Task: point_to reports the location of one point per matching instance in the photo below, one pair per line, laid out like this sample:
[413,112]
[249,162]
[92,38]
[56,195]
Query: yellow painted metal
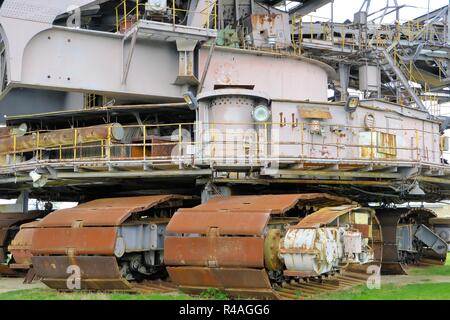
[75,138]
[173,12]
[180,144]
[144,140]
[15,148]
[137,10]
[417,145]
[382,145]
[109,143]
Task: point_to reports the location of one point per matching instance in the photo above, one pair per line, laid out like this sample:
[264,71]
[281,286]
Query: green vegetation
[433,270]
[48,294]
[422,291]
[214,294]
[426,290]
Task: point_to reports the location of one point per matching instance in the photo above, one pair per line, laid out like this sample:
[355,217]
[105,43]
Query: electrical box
[369,78]
[360,18]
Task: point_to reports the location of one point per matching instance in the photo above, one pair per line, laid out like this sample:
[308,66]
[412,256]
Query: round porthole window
[261,113]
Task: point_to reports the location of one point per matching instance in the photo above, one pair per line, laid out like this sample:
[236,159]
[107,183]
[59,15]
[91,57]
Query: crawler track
[308,288]
[389,220]
[236,252]
[106,239]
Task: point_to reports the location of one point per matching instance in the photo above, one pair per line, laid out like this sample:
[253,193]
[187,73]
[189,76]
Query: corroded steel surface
[203,251]
[324,216]
[389,220]
[199,220]
[236,262]
[61,137]
[10,219]
[97,273]
[391,261]
[104,212]
[92,240]
[20,246]
[86,236]
[275,204]
[247,282]
[9,229]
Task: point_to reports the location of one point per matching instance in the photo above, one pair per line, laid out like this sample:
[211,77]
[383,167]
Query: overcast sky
[344,9]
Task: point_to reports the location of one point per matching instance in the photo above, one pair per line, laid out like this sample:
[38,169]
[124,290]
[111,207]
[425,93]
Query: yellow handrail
[123,13]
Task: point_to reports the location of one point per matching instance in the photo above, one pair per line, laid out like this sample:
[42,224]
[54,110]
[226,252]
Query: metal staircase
[399,81]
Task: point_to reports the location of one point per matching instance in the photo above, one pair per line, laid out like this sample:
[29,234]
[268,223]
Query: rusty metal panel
[20,247]
[323,216]
[93,267]
[3,237]
[161,147]
[275,204]
[104,212]
[227,223]
[229,278]
[62,137]
[5,270]
[10,219]
[84,217]
[97,273]
[365,230]
[74,241]
[215,251]
[91,285]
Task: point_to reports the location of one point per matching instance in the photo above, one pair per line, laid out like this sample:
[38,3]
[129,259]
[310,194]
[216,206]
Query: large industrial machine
[202,145]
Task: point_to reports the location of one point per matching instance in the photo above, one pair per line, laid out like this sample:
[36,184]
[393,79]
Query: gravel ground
[13,284]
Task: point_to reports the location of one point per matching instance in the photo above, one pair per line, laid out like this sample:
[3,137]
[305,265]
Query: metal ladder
[398,79]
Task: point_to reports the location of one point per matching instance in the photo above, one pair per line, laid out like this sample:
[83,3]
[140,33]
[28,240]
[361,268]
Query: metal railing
[126,17]
[254,144]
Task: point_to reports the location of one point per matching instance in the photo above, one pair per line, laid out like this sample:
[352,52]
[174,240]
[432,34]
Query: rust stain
[80,240]
[323,216]
[198,220]
[20,246]
[104,212]
[275,204]
[215,252]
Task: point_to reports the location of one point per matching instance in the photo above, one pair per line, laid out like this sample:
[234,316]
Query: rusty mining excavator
[264,246]
[193,168]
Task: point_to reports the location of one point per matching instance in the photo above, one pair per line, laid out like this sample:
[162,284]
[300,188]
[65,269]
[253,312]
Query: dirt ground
[13,284]
[413,279]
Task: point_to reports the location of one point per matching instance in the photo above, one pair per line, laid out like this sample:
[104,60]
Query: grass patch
[214,294]
[48,294]
[426,291]
[433,270]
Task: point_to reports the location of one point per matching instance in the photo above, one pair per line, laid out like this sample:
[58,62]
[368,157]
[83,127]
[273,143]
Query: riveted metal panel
[215,251]
[74,241]
[275,204]
[227,223]
[104,212]
[55,267]
[237,278]
[324,216]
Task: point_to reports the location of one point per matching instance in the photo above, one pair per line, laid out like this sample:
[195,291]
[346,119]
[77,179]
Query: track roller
[249,246]
[408,239]
[104,244]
